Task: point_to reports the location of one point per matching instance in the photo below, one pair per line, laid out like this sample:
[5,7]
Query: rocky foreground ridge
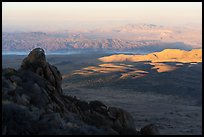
[33,103]
[167,55]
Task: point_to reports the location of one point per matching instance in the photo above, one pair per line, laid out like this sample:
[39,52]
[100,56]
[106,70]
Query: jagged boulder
[36,62]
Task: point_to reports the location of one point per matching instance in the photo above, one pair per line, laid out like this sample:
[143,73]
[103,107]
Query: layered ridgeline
[167,55]
[145,37]
[33,103]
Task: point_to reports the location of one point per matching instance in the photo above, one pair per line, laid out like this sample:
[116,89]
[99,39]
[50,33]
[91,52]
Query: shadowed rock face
[36,62]
[33,103]
[150,129]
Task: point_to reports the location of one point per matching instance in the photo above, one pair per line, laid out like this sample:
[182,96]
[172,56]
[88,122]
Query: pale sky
[17,16]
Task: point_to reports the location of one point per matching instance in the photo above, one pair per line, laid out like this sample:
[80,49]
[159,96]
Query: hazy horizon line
[69,27]
[63,15]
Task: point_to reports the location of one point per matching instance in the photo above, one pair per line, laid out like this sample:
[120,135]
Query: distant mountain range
[147,37]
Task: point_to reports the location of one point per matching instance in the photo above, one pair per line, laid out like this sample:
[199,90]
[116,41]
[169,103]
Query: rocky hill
[167,55]
[33,103]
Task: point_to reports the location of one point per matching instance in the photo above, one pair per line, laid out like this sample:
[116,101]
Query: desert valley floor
[167,94]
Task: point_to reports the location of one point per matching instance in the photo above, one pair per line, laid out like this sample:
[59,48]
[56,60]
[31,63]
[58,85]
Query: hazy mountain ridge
[164,33]
[127,37]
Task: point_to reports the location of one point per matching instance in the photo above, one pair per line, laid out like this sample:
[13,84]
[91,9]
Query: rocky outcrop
[36,62]
[33,103]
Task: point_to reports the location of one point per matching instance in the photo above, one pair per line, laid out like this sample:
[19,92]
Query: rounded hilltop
[166,55]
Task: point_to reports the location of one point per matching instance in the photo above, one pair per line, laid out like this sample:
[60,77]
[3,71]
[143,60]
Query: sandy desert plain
[166,94]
